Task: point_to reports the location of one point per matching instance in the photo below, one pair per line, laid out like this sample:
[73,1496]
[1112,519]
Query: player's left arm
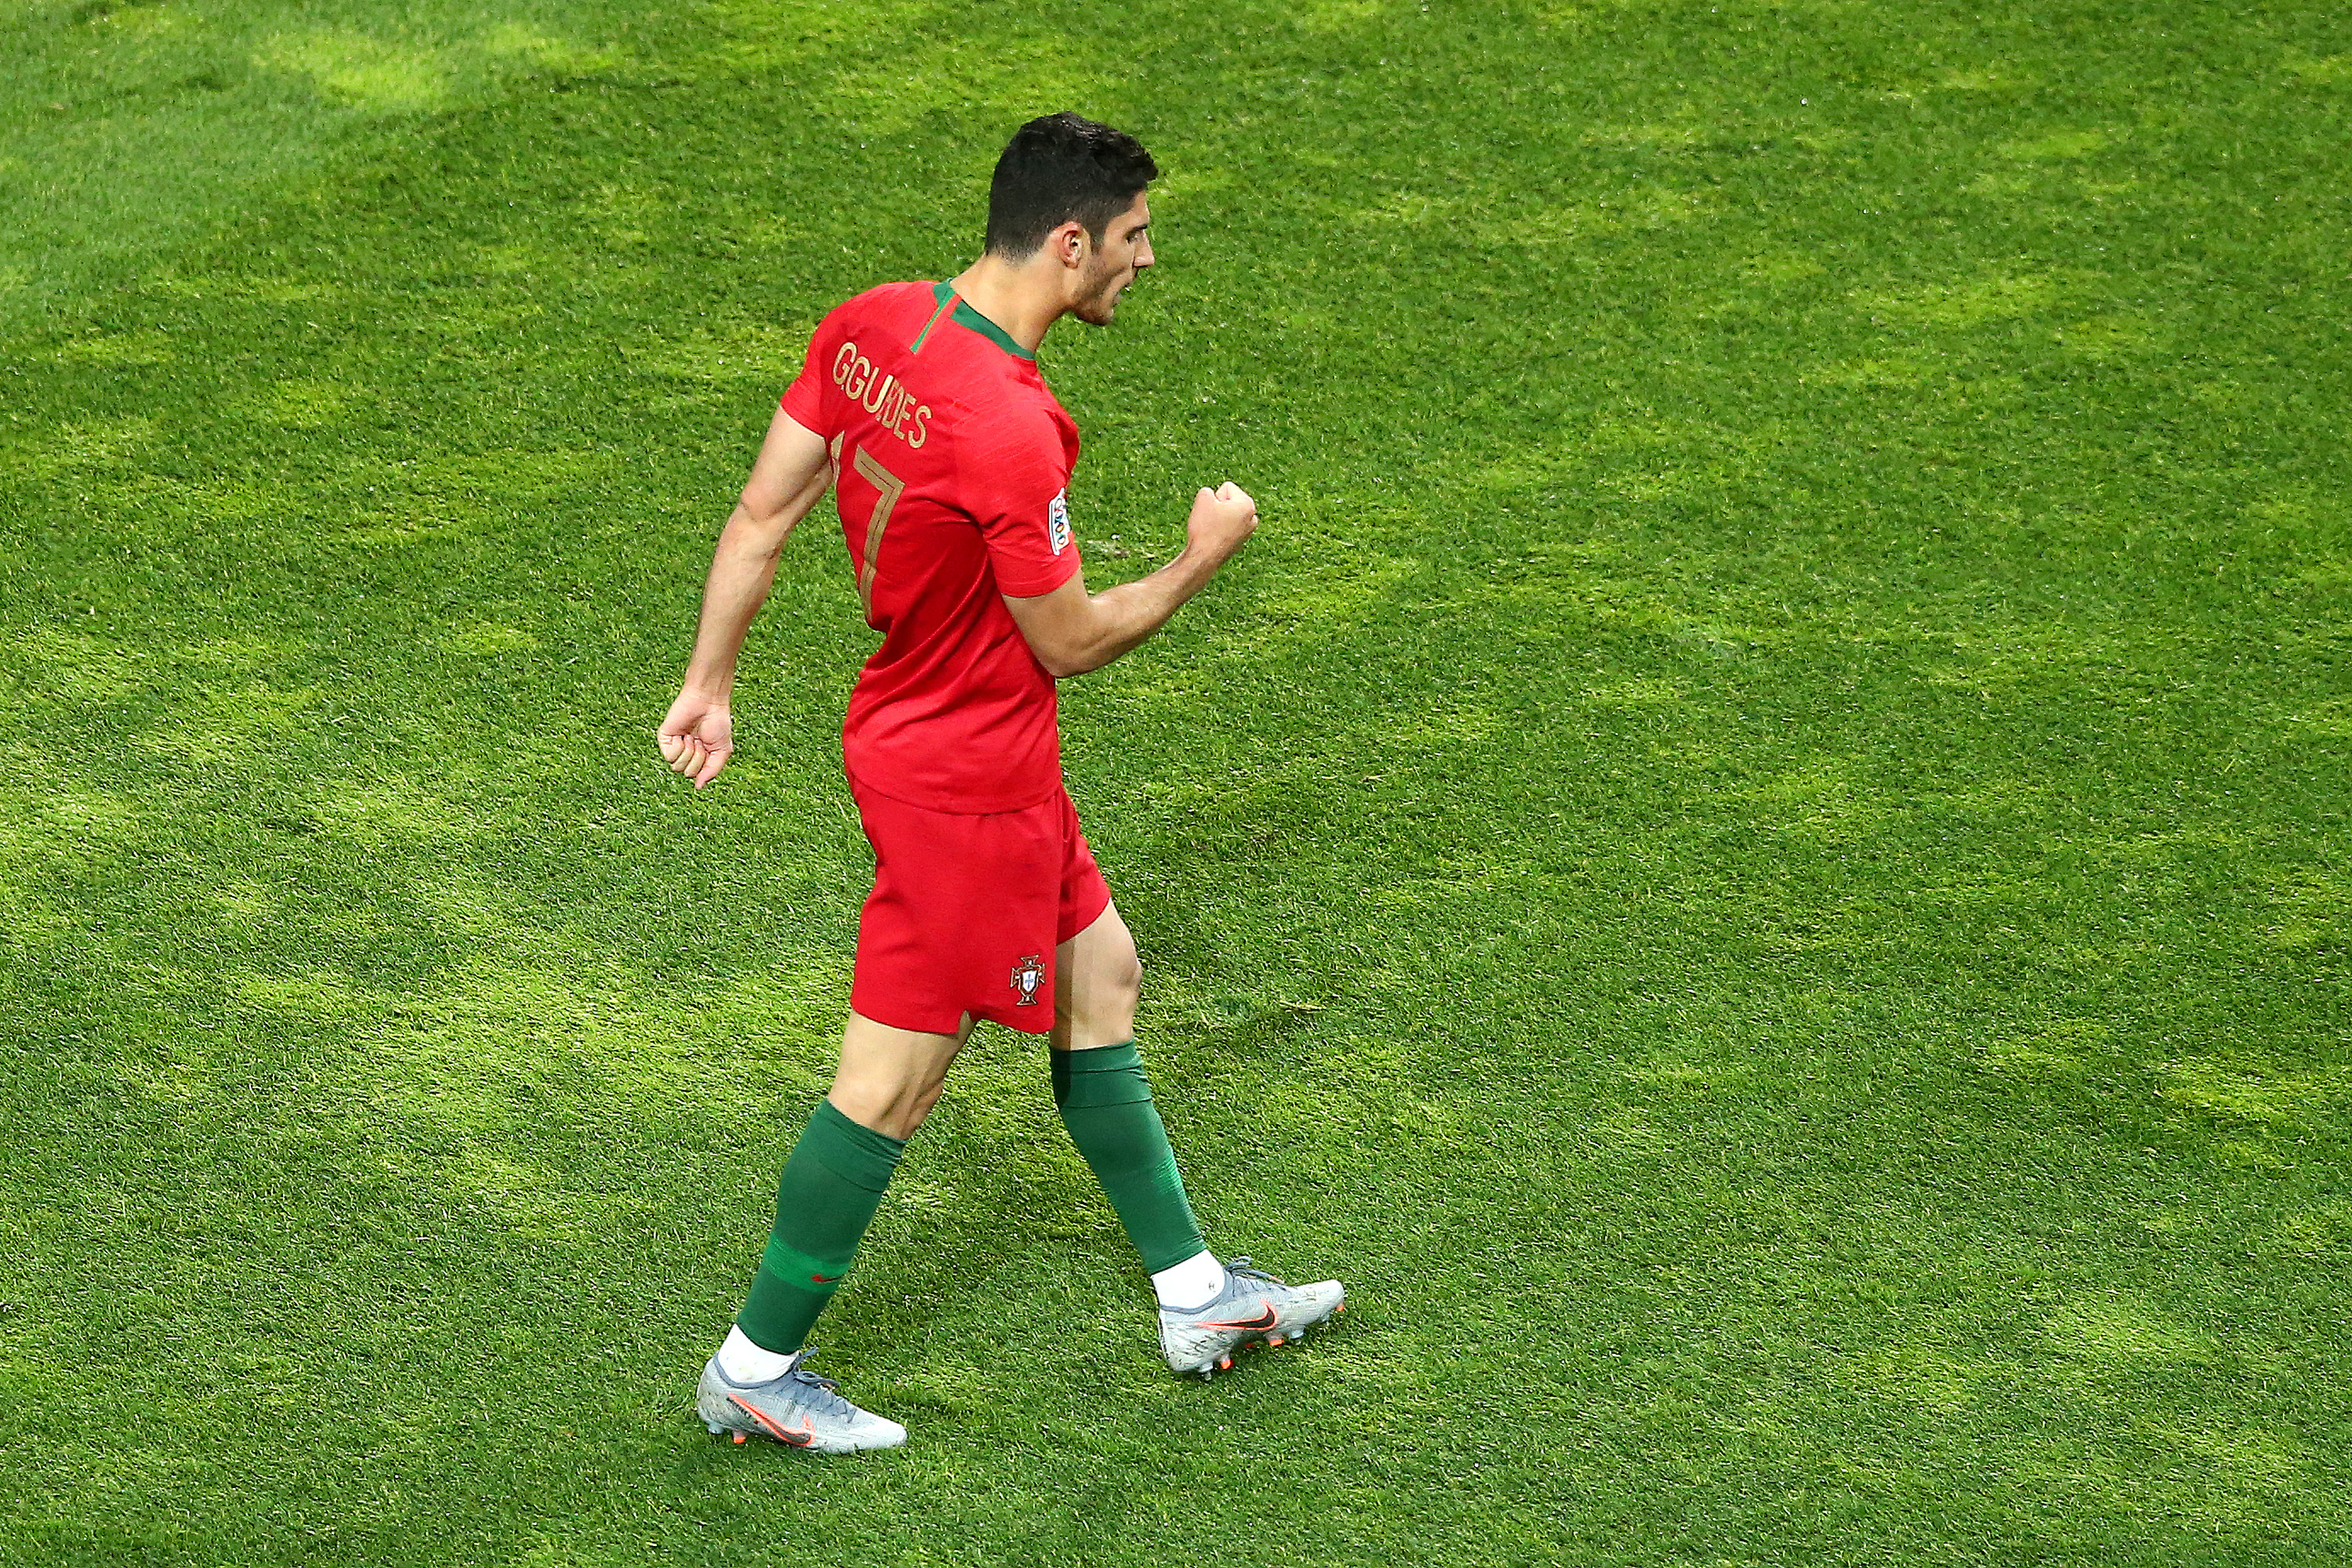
[697,734]
[1072,631]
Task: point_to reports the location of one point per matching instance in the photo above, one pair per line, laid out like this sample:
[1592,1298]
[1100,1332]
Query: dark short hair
[1057,168]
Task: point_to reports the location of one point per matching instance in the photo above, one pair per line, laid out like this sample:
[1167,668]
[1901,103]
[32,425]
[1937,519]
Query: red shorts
[966,912]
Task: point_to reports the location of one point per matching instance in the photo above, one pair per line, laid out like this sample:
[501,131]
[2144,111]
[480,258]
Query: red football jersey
[951,463]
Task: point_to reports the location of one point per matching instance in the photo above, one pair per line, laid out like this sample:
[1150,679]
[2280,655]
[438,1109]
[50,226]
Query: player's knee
[1123,974]
[892,1100]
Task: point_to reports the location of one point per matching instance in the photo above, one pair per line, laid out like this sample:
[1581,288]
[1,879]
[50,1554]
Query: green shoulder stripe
[946,298]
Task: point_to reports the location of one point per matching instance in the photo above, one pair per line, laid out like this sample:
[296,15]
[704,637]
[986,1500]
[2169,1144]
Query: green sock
[1106,1106]
[831,1183]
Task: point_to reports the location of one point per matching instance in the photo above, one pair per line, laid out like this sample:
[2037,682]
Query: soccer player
[922,405]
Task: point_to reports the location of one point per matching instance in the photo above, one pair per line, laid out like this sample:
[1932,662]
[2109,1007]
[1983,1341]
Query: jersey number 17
[889,486]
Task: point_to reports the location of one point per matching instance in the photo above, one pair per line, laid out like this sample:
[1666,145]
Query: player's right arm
[1072,631]
[697,735]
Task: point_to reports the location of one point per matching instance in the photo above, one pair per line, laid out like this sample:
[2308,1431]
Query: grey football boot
[797,1408]
[1254,1307]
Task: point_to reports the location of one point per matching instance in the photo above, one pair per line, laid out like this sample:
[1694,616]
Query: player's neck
[1025,298]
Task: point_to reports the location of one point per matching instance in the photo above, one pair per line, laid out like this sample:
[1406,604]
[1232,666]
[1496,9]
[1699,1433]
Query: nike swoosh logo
[827,1279]
[1265,1319]
[800,1439]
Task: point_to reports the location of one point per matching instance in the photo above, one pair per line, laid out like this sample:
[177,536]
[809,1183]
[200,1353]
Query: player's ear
[1069,243]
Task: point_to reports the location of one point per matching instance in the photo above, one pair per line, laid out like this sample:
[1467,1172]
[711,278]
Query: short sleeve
[813,399]
[1019,488]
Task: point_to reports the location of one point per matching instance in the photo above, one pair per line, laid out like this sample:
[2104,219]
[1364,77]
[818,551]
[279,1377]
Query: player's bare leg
[889,1079]
[1097,980]
[1208,1309]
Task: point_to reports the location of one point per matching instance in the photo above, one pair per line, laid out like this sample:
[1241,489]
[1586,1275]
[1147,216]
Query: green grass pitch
[1756,853]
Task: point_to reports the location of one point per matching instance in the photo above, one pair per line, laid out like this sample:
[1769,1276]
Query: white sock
[743,1361]
[1192,1284]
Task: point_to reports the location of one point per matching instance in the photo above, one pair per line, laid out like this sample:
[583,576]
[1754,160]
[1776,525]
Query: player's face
[1125,251]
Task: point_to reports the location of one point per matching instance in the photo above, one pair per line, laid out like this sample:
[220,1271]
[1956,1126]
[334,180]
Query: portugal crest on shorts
[1027,975]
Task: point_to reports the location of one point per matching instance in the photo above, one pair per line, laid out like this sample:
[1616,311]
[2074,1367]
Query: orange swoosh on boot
[1267,1318]
[800,1439]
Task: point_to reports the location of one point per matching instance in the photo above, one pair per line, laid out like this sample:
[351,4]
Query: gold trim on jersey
[892,487]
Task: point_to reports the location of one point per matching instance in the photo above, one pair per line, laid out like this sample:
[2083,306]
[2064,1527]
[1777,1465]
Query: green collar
[965,316]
